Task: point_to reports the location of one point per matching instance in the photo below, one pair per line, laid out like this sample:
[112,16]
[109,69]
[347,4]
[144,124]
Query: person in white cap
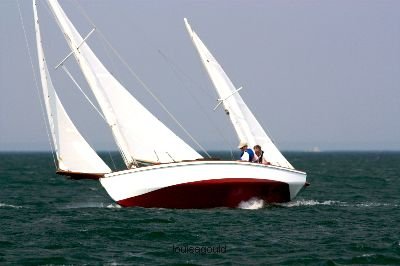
[247,154]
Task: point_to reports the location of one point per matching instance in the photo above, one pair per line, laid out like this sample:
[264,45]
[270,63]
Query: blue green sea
[350,215]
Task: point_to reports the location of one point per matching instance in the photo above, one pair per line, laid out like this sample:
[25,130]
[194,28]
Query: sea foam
[81,205]
[251,204]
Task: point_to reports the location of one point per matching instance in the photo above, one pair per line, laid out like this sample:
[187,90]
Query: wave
[4,205]
[251,204]
[375,204]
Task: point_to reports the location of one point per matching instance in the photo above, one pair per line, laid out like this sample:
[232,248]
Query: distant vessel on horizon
[162,170]
[315,149]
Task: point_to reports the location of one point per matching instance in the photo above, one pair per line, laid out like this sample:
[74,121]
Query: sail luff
[241,129]
[138,133]
[244,122]
[43,78]
[73,153]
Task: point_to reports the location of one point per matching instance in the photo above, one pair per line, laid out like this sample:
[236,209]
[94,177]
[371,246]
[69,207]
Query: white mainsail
[73,153]
[138,134]
[243,120]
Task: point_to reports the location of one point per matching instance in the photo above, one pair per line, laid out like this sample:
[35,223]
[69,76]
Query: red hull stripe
[228,192]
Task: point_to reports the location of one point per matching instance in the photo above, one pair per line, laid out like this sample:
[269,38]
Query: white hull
[202,184]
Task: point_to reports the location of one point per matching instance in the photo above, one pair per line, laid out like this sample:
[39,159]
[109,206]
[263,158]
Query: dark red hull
[211,193]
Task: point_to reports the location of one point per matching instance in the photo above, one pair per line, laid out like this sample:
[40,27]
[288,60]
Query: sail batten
[136,131]
[244,122]
[73,153]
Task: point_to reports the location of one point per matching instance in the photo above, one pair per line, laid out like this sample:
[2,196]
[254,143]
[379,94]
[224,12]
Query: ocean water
[349,215]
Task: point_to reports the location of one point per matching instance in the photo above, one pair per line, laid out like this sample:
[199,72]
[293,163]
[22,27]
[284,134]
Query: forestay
[73,153]
[138,134]
[243,120]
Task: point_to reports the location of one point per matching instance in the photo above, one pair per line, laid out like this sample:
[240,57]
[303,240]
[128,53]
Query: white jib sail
[73,153]
[138,134]
[243,120]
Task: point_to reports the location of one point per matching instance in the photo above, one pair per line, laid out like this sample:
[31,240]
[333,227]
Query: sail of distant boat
[139,135]
[244,122]
[74,155]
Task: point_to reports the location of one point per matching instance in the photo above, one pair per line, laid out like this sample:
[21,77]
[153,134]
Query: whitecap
[4,205]
[367,255]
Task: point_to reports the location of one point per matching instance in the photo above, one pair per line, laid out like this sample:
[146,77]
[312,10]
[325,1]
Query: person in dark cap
[260,154]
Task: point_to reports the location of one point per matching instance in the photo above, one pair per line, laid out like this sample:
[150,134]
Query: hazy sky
[315,73]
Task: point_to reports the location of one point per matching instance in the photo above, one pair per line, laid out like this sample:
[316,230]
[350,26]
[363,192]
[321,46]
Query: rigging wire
[112,160]
[84,94]
[111,59]
[144,85]
[37,86]
[175,68]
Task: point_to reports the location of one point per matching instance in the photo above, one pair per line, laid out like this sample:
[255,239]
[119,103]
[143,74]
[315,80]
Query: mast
[139,135]
[74,155]
[244,122]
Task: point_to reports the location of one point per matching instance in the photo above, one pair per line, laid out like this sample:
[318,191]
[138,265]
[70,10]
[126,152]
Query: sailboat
[162,171]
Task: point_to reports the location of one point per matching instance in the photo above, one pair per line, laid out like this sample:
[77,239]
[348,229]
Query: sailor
[247,154]
[260,153]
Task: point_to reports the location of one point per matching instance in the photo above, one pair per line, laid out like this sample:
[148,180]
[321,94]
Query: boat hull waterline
[199,184]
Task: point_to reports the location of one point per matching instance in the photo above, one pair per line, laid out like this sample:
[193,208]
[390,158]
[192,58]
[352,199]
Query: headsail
[138,134]
[243,120]
[73,153]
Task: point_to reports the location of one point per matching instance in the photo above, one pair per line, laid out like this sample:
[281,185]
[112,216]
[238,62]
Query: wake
[306,203]
[84,205]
